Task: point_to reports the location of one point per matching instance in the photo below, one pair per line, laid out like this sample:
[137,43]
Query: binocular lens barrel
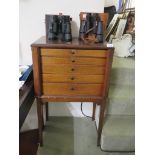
[52,36]
[93,26]
[59,27]
[67,37]
[99,28]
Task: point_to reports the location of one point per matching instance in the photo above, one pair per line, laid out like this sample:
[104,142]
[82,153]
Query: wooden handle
[72,69]
[72,88]
[73,51]
[72,78]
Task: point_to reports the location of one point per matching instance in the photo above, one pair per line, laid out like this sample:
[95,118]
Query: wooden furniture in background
[26,98]
[28,140]
[71,72]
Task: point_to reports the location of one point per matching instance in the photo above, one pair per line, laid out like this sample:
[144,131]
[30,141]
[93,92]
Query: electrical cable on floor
[83,112]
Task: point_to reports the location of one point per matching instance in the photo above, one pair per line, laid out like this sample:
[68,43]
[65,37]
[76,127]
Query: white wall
[32,15]
[111,2]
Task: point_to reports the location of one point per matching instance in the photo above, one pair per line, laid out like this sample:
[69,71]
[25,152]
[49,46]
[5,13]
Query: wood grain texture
[76,69]
[65,98]
[72,89]
[72,60]
[72,78]
[73,52]
[36,69]
[107,73]
[26,98]
[42,42]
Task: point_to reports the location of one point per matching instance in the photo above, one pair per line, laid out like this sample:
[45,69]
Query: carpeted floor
[71,136]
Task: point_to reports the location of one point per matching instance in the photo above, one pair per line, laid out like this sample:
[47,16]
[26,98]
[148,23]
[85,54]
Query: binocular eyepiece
[93,24]
[58,27]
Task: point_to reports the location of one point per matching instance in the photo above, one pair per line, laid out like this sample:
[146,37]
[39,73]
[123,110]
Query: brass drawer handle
[72,69]
[72,78]
[72,88]
[73,51]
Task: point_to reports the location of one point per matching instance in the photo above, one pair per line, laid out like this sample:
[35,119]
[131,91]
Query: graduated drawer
[74,69]
[71,78]
[72,89]
[72,52]
[73,60]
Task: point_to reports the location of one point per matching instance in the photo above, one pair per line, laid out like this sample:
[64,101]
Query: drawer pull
[72,89]
[72,69]
[72,78]
[73,51]
[73,60]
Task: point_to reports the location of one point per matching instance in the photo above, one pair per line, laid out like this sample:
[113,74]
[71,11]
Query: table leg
[101,119]
[94,109]
[40,120]
[46,106]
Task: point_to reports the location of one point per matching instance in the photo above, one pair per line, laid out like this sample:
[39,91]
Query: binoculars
[58,27]
[91,25]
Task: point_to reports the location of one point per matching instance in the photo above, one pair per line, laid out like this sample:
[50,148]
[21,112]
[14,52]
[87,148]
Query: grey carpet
[118,133]
[71,136]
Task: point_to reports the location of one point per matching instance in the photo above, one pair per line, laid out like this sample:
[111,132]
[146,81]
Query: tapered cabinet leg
[46,107]
[94,109]
[101,119]
[42,116]
[40,121]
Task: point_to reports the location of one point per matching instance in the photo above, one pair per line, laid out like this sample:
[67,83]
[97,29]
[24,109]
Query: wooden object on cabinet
[57,78]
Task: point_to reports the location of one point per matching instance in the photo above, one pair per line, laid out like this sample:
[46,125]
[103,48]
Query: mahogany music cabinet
[71,72]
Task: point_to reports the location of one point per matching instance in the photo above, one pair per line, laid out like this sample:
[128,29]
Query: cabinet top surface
[75,43]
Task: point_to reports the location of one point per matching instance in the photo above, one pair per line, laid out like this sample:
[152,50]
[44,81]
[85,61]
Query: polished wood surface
[69,69]
[71,72]
[73,60]
[73,52]
[72,89]
[36,69]
[26,98]
[74,44]
[64,98]
[72,78]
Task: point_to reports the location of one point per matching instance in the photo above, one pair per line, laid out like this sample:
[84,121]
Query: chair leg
[46,107]
[40,120]
[94,109]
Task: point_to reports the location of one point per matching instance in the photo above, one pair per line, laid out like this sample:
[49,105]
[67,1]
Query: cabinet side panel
[108,67]
[36,70]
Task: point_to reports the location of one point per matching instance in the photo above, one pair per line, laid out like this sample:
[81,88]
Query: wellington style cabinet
[71,72]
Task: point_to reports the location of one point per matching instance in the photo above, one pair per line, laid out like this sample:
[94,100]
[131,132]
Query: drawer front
[72,78]
[73,60]
[73,52]
[72,89]
[73,69]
